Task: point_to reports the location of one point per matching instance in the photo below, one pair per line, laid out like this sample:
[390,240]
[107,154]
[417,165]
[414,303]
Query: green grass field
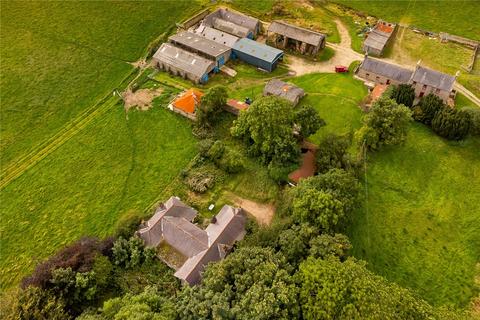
[60,58]
[422,227]
[455,17]
[112,166]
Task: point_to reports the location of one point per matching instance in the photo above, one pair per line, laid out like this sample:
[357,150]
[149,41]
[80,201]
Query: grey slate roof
[184,236]
[183,59]
[297,33]
[284,90]
[230,27]
[377,40]
[388,70]
[258,50]
[433,78]
[217,35]
[199,43]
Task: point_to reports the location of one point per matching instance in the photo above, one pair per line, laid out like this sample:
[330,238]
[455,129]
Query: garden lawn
[59,58]
[422,227]
[455,17]
[114,165]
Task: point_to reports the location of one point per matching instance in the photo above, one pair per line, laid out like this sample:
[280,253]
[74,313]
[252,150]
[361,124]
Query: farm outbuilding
[182,63]
[283,90]
[284,35]
[232,28]
[187,103]
[257,54]
[172,224]
[234,18]
[234,106]
[378,38]
[217,36]
[202,46]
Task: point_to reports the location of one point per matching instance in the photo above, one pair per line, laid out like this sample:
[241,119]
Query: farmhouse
[427,81]
[283,90]
[172,224]
[378,38]
[257,54]
[182,63]
[237,22]
[377,71]
[286,35]
[424,80]
[209,49]
[217,36]
[186,103]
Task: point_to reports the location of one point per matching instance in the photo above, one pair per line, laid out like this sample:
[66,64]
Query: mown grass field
[59,58]
[422,226]
[58,61]
[113,166]
[455,17]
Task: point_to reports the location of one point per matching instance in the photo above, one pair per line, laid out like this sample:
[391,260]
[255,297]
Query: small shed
[182,63]
[378,38]
[235,106]
[257,54]
[283,90]
[209,49]
[217,36]
[186,103]
[286,35]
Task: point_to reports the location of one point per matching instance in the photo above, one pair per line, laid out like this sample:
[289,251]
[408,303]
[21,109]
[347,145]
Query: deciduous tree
[211,105]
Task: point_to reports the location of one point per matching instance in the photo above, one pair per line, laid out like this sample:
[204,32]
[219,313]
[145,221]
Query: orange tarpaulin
[188,101]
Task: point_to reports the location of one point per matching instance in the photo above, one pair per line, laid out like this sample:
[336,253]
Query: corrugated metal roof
[218,36]
[258,50]
[199,43]
[284,90]
[385,69]
[377,40]
[298,33]
[183,60]
[230,27]
[433,78]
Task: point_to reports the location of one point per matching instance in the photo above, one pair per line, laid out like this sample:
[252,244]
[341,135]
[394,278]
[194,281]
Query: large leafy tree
[330,289]
[211,105]
[404,94]
[428,107]
[325,245]
[385,124]
[333,153]
[250,283]
[325,200]
[268,129]
[307,120]
[451,124]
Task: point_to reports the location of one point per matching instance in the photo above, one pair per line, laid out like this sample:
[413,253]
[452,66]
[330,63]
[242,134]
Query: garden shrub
[451,124]
[216,150]
[131,253]
[128,223]
[474,119]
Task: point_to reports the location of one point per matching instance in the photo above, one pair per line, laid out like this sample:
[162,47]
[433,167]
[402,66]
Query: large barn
[284,35]
[257,54]
[217,35]
[209,49]
[182,63]
[236,20]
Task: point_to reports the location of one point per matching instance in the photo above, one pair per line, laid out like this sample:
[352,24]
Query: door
[221,61]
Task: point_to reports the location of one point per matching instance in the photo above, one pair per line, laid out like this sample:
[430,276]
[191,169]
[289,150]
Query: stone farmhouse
[283,90]
[284,35]
[172,224]
[378,38]
[424,80]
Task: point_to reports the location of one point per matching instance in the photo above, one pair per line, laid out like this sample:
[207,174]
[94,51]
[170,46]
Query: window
[424,87]
[437,91]
[388,81]
[368,74]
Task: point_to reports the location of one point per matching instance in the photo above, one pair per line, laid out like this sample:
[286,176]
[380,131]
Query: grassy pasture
[114,165]
[455,17]
[59,58]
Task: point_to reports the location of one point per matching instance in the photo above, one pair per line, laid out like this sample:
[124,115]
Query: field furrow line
[71,130]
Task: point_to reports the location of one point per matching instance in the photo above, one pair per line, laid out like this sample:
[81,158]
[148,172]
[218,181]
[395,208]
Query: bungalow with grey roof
[172,224]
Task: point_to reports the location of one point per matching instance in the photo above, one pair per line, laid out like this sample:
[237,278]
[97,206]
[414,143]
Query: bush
[474,119]
[216,151]
[128,223]
[79,256]
[231,162]
[204,146]
[429,106]
[278,172]
[200,179]
[451,124]
[326,245]
[131,253]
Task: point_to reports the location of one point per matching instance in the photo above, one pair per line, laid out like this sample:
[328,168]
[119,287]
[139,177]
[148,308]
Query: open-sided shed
[287,35]
[283,90]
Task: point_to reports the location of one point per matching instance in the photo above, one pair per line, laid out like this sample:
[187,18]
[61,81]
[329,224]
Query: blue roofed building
[257,54]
